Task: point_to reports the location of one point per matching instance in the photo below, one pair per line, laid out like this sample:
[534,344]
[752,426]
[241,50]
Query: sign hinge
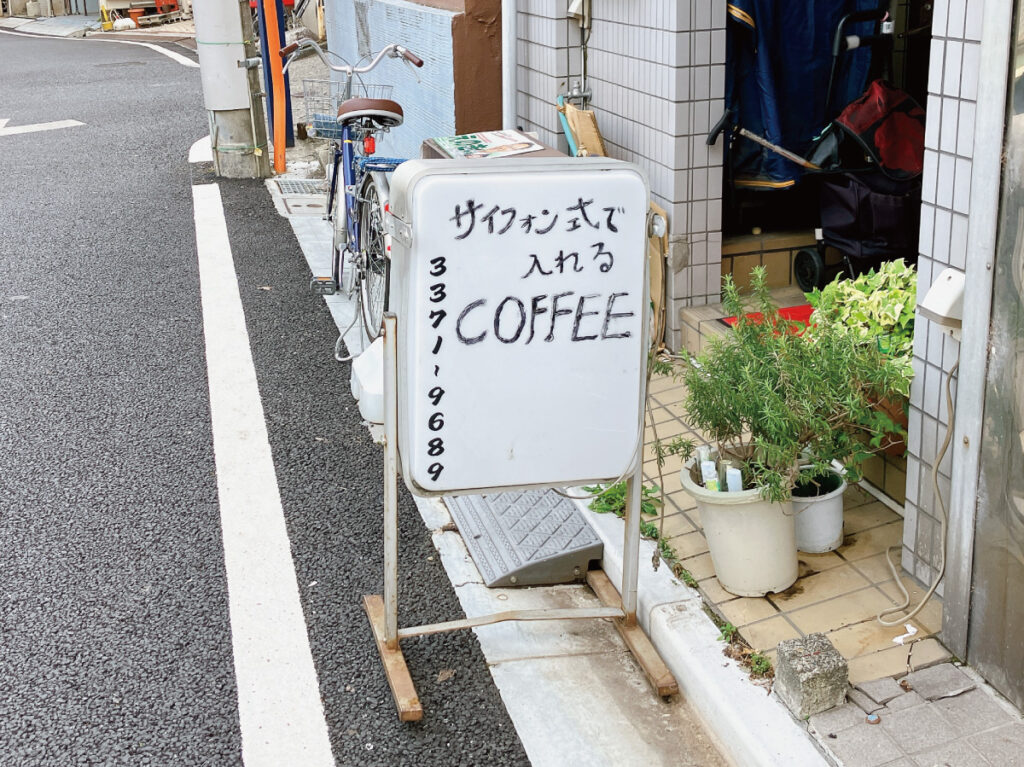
[399,230]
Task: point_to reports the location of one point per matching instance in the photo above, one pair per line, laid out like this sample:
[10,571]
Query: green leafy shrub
[877,307]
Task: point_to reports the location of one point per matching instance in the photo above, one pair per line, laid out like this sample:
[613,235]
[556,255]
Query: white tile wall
[949,146]
[657,72]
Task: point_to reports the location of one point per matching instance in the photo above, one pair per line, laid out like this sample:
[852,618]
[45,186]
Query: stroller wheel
[809,269]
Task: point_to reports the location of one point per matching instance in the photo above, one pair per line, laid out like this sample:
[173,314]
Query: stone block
[810,675]
[942,681]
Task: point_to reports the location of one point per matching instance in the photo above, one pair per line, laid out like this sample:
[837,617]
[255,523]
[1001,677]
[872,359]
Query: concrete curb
[750,728]
[52,26]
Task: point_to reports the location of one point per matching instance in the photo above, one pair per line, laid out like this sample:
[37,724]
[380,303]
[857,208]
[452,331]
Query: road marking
[35,127]
[201,151]
[280,709]
[183,60]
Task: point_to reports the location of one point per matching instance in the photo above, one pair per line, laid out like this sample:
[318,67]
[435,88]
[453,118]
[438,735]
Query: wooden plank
[657,673]
[402,688]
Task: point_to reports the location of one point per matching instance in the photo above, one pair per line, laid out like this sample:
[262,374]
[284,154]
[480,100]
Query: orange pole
[277,76]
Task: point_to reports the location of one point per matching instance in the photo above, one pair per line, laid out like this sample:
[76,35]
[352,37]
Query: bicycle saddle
[385,112]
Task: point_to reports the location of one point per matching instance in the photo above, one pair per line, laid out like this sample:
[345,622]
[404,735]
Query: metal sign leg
[631,545]
[383,612]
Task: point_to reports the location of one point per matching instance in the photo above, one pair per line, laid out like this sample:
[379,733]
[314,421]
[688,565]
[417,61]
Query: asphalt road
[115,640]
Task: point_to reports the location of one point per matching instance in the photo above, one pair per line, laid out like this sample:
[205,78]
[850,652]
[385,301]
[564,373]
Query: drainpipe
[509,40]
[237,138]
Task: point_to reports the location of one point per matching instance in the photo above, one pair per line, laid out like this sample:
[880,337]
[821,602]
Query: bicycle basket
[321,99]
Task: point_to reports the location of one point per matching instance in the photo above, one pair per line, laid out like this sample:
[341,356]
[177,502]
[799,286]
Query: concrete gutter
[751,727]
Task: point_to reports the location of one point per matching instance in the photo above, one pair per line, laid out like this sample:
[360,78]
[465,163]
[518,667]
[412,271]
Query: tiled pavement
[942,716]
[838,593]
[939,716]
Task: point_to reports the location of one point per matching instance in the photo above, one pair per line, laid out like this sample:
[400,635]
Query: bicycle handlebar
[409,56]
[393,50]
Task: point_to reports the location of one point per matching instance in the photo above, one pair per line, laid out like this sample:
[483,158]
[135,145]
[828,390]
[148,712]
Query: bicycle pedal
[323,286]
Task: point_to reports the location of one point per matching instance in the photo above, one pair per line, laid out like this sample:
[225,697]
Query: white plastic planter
[367,382]
[819,521]
[752,542]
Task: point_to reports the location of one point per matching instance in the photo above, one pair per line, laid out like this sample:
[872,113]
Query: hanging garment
[779,60]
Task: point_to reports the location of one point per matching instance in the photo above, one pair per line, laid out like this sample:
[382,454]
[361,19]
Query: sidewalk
[52,26]
[943,715]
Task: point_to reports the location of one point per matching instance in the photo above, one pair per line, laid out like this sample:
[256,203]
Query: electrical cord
[943,522]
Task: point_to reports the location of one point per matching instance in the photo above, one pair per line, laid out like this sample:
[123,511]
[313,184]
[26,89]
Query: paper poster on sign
[519,286]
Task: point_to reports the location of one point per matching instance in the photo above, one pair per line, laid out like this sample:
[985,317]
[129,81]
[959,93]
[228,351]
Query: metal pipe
[555,614]
[509,63]
[631,545]
[390,481]
[277,77]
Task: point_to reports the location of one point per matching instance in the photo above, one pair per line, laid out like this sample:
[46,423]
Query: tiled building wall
[949,147]
[657,72]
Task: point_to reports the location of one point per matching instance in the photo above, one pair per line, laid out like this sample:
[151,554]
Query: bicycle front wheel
[376,266]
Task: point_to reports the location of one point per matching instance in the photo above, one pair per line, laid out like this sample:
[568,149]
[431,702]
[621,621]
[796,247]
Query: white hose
[943,522]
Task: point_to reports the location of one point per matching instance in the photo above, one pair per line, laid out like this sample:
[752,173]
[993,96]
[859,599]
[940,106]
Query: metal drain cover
[305,204]
[300,185]
[526,538]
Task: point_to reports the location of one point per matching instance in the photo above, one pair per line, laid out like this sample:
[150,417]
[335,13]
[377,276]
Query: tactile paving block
[526,538]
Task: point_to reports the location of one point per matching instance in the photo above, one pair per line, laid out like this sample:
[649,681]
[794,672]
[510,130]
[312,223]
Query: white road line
[201,151]
[279,704]
[183,60]
[36,127]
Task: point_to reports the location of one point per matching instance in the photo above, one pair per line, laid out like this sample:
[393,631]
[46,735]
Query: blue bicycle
[356,211]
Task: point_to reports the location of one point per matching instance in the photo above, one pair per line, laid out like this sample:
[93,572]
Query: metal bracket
[398,229]
[578,95]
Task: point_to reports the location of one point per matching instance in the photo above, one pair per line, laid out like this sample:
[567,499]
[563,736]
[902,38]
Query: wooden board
[657,673]
[402,688]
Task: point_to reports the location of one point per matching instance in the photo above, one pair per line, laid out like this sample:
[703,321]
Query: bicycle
[359,232]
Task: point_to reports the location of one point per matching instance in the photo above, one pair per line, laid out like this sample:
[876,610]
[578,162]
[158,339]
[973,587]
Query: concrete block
[810,675]
[881,690]
[942,681]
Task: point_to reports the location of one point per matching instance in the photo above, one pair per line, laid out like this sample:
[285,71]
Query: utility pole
[231,88]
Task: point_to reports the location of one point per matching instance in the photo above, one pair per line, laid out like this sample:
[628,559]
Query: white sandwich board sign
[519,287]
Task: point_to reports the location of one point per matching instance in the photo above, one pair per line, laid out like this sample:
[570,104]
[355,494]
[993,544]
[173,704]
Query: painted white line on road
[183,60]
[36,127]
[201,151]
[280,710]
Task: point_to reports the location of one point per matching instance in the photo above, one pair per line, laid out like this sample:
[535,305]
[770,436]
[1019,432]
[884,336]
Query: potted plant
[780,404]
[878,308]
